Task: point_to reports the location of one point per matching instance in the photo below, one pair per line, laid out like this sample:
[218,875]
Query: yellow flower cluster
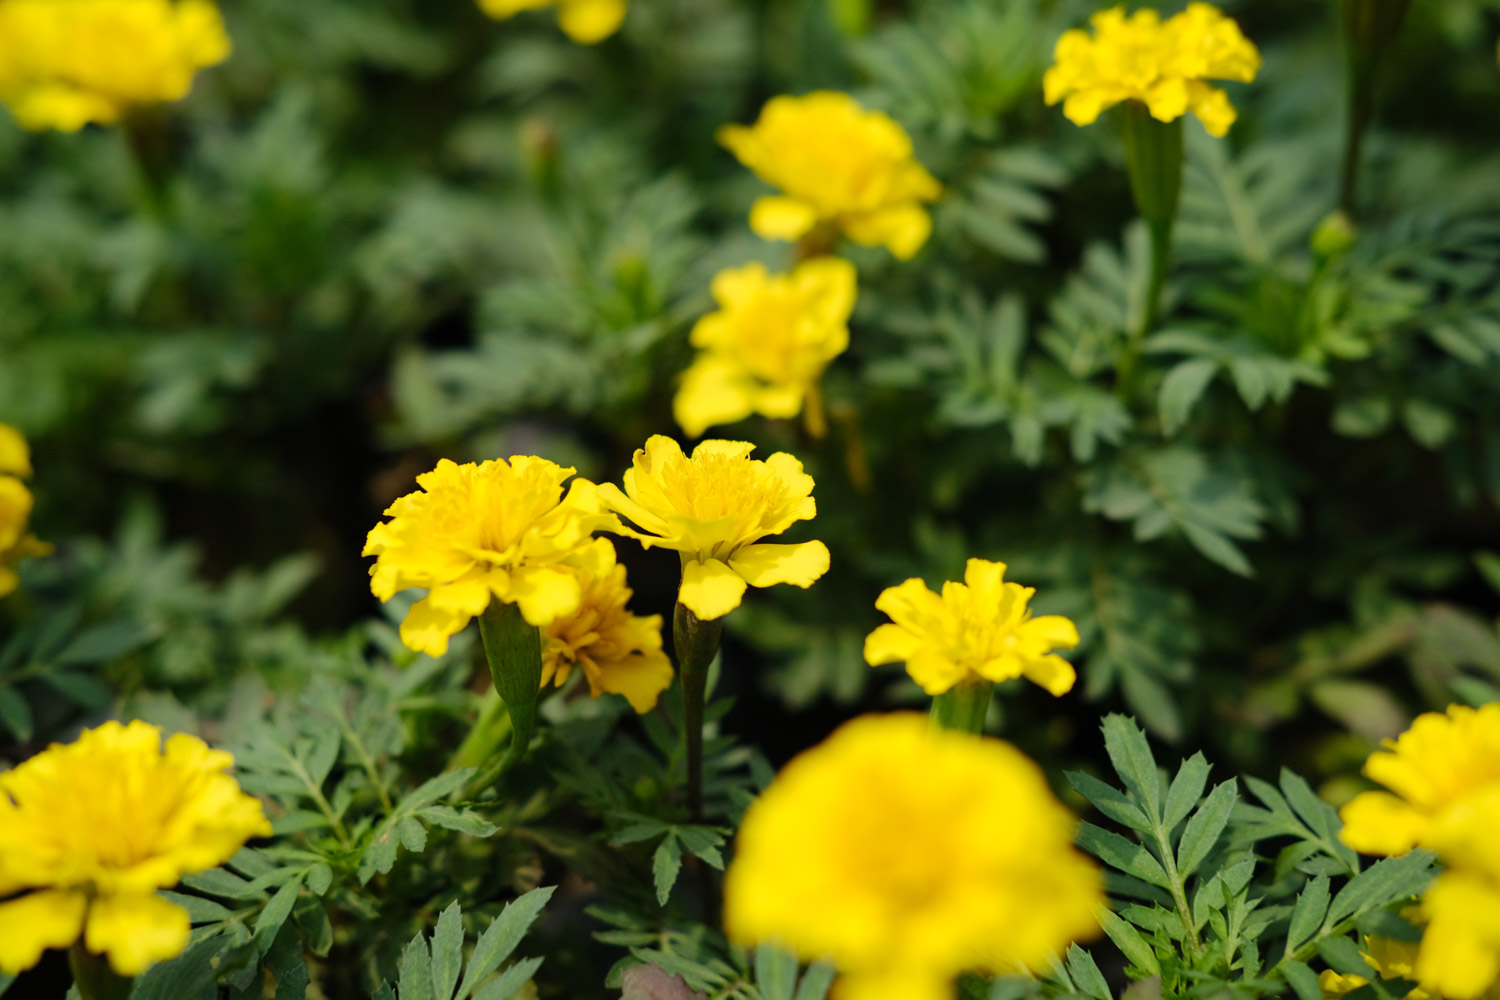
[617,651]
[1389,958]
[584,21]
[499,529]
[1162,64]
[89,831]
[765,349]
[839,166]
[713,509]
[1444,780]
[15,507]
[908,855]
[65,63]
[981,628]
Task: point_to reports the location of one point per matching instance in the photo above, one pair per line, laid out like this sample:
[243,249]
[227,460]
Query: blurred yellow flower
[584,21]
[89,831]
[497,529]
[65,63]
[15,508]
[617,651]
[1390,958]
[765,349]
[979,628]
[908,855]
[1162,64]
[838,165]
[1460,952]
[713,509]
[1434,769]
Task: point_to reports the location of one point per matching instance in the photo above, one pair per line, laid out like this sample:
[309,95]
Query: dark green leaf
[775,972]
[1307,915]
[1086,975]
[447,952]
[509,982]
[665,865]
[1186,789]
[501,937]
[1131,756]
[1204,827]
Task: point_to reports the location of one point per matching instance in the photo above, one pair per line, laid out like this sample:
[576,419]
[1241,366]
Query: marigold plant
[838,165]
[89,831]
[499,529]
[66,64]
[714,508]
[908,855]
[1162,64]
[766,347]
[617,651]
[979,628]
[584,21]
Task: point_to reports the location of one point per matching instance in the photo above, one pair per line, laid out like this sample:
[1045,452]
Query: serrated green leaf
[1118,852]
[1385,881]
[1181,388]
[275,912]
[1307,914]
[1130,942]
[15,714]
[1086,975]
[414,980]
[200,910]
[1342,955]
[665,865]
[703,842]
[1108,800]
[501,937]
[1131,756]
[218,882]
[1204,827]
[464,821]
[1186,789]
[816,981]
[509,982]
[775,972]
[447,952]
[1302,980]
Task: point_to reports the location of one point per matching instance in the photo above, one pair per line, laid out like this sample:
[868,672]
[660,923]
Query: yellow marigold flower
[617,651]
[713,509]
[839,165]
[979,628]
[15,454]
[909,855]
[1162,64]
[584,21]
[765,349]
[89,831]
[1434,768]
[1390,958]
[497,529]
[1460,952]
[65,63]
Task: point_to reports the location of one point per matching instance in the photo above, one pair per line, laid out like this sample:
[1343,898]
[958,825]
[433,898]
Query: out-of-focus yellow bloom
[500,529]
[15,508]
[1390,958]
[908,855]
[617,651]
[713,509]
[584,21]
[837,164]
[89,831]
[1460,952]
[1435,768]
[65,63]
[1162,64]
[979,628]
[767,346]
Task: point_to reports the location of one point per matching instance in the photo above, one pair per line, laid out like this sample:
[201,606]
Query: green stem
[1370,26]
[490,729]
[94,978]
[964,706]
[697,643]
[513,649]
[1153,158]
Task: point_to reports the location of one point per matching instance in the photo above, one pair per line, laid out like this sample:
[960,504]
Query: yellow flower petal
[890,644]
[590,21]
[15,454]
[428,628]
[545,595]
[135,932]
[714,391]
[901,229]
[780,218]
[710,589]
[33,923]
[1380,823]
[640,678]
[1460,952]
[1053,673]
[766,565]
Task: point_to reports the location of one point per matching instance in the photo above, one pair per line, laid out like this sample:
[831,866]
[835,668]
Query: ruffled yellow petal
[33,923]
[545,595]
[427,628]
[710,589]
[780,218]
[136,932]
[590,21]
[901,229]
[640,678]
[1380,823]
[891,644]
[767,565]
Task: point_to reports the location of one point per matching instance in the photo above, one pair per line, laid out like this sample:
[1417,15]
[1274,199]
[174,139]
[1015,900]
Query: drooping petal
[891,644]
[427,629]
[710,589]
[33,923]
[901,229]
[1380,823]
[769,564]
[779,218]
[135,932]
[545,594]
[1054,631]
[1053,673]
[641,678]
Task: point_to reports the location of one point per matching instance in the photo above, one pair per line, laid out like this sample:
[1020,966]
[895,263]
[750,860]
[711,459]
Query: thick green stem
[1153,157]
[514,651]
[1370,26]
[94,978]
[964,706]
[697,643]
[491,728]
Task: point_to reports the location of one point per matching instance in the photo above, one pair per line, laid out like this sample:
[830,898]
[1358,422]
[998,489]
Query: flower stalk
[1153,158]
[696,642]
[1370,26]
[513,649]
[964,706]
[94,978]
